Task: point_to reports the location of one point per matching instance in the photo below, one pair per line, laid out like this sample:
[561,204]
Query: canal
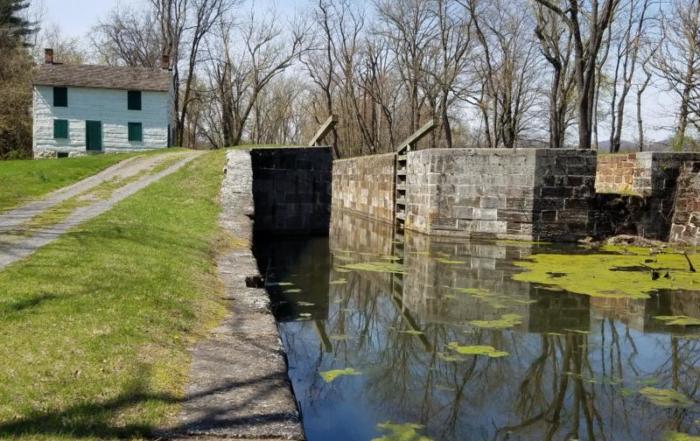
[420,338]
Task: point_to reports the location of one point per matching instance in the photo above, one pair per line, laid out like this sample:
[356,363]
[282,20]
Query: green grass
[96,326]
[24,180]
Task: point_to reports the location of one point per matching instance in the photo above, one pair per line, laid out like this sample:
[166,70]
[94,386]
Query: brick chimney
[165,62]
[48,56]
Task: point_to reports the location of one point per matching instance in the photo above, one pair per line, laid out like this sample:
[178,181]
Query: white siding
[105,105]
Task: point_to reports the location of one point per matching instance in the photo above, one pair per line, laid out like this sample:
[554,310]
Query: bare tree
[587,27]
[678,62]
[557,48]
[240,76]
[626,61]
[127,37]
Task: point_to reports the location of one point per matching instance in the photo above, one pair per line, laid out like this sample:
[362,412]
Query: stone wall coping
[355,158]
[502,151]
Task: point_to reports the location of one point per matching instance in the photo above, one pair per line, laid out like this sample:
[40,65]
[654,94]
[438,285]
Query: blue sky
[76,17]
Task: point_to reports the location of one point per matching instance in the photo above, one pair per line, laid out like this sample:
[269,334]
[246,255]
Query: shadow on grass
[97,419]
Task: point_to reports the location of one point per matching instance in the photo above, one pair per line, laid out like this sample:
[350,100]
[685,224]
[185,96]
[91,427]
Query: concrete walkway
[16,244]
[239,388]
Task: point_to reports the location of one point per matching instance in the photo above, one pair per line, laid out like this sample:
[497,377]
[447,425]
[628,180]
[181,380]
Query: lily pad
[678,320]
[329,376]
[488,351]
[377,267]
[666,397]
[678,436]
[450,262]
[506,321]
[401,432]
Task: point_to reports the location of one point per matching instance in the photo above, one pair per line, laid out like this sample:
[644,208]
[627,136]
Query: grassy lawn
[23,180]
[95,327]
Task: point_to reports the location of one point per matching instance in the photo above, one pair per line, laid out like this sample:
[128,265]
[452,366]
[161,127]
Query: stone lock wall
[292,189]
[526,194]
[365,186]
[686,216]
[637,193]
[626,173]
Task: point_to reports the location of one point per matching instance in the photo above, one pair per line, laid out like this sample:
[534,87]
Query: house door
[93,136]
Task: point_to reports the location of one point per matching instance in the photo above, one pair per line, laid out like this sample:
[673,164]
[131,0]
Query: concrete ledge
[239,386]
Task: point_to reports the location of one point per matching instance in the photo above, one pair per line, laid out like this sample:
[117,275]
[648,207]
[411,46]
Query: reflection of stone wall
[365,185]
[360,234]
[686,216]
[539,194]
[292,189]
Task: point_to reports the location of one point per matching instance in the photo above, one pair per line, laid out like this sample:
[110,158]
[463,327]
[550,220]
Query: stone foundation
[523,194]
[686,217]
[365,186]
[292,189]
[637,192]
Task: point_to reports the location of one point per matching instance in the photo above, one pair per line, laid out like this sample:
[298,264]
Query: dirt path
[17,243]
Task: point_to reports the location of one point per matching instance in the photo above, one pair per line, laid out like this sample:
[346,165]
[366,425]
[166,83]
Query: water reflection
[574,369]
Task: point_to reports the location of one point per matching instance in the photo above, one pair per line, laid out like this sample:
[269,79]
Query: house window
[60,97]
[134,99]
[60,129]
[135,132]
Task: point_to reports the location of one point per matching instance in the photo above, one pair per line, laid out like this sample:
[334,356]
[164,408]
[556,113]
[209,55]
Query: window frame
[135,98]
[57,132]
[131,126]
[60,96]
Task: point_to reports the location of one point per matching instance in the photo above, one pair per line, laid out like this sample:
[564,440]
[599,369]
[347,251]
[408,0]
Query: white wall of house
[106,105]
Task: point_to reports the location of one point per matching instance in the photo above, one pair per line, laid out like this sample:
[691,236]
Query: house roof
[103,77]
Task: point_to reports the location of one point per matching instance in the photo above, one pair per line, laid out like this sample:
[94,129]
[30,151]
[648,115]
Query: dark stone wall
[637,193]
[686,217]
[292,189]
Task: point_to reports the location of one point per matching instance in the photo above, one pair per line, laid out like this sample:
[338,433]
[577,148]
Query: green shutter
[135,132]
[60,97]
[134,99]
[60,129]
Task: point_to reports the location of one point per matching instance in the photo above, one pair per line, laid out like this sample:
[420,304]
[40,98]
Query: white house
[82,108]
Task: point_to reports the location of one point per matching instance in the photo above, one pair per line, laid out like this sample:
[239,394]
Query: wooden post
[323,131]
[410,142]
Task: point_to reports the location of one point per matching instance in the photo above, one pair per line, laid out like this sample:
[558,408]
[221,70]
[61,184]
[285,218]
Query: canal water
[381,335]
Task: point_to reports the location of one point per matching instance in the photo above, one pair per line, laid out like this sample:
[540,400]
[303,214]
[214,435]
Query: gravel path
[19,244]
[14,218]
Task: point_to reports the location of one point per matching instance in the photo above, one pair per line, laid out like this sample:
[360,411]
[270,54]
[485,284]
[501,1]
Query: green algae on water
[666,397]
[401,432]
[376,267]
[678,320]
[292,291]
[329,376]
[506,321]
[617,272]
[678,436]
[338,282]
[486,350]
